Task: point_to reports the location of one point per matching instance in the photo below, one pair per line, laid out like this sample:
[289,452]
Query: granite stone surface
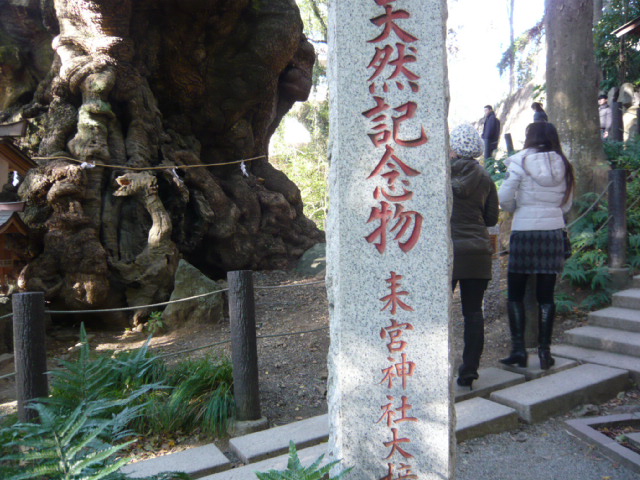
[388,247]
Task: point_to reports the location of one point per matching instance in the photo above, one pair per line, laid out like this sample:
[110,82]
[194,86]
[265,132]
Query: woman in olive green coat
[475,207]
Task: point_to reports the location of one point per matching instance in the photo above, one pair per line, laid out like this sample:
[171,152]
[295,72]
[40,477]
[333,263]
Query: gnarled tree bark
[153,83]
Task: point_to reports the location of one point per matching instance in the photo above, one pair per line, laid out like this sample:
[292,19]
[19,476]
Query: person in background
[538,189]
[490,131]
[539,115]
[605,116]
[475,207]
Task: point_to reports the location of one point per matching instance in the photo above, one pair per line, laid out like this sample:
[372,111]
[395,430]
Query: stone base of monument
[544,397]
[244,427]
[533,370]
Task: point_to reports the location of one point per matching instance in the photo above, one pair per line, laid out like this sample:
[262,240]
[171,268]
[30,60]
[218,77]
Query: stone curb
[585,429]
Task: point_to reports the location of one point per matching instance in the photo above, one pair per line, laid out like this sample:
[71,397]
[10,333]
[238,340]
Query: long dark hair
[543,137]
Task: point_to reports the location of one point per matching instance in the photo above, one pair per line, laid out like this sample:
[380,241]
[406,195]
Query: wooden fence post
[244,352]
[29,351]
[618,229]
[509,142]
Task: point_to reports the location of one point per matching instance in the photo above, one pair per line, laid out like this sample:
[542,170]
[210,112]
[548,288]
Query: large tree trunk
[150,83]
[572,89]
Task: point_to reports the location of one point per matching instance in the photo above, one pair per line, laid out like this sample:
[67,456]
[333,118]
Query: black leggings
[471,294]
[545,284]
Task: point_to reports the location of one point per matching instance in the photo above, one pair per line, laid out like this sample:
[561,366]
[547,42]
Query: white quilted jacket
[534,189]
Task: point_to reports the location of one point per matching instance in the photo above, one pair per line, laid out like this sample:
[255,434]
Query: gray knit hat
[465,141]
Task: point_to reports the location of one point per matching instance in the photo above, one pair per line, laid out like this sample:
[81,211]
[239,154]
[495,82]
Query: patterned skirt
[536,251]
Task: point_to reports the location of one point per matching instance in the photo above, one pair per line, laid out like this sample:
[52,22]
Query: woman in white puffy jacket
[538,189]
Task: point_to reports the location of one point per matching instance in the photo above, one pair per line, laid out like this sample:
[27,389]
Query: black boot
[517,319]
[473,346]
[546,316]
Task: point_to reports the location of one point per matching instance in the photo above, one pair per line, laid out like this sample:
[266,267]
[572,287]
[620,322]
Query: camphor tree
[572,89]
[152,83]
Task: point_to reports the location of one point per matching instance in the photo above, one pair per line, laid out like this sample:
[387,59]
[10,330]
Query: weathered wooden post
[29,351]
[244,352]
[616,132]
[391,411]
[618,229]
[509,141]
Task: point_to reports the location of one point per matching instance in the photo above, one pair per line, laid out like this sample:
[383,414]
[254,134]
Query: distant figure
[538,188]
[605,116]
[475,207]
[490,131]
[539,115]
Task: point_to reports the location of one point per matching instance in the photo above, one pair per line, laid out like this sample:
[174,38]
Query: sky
[482,34]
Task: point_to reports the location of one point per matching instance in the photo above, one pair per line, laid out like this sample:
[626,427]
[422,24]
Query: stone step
[627,299]
[275,441]
[478,417]
[196,462]
[533,370]
[607,339]
[539,399]
[636,281]
[599,357]
[490,380]
[307,456]
[616,317]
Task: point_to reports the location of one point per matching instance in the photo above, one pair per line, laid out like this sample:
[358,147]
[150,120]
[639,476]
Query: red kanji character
[394,444]
[405,221]
[402,369]
[404,472]
[388,20]
[382,58]
[395,331]
[393,299]
[392,162]
[409,110]
[388,413]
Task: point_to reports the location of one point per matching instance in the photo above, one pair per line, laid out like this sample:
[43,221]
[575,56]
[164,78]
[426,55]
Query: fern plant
[296,471]
[64,447]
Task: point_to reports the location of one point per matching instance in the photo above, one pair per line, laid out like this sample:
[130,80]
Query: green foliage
[617,57]
[296,471]
[497,170]
[63,447]
[99,401]
[200,396]
[155,324]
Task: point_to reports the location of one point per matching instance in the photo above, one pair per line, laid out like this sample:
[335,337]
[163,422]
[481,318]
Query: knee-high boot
[546,317]
[473,346]
[517,320]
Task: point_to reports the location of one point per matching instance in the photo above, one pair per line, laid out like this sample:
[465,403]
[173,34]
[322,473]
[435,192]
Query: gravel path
[540,452]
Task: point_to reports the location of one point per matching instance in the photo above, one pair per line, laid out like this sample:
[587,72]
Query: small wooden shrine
[12,228]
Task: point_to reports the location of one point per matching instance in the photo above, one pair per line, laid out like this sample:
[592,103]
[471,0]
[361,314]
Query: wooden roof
[630,28]
[10,222]
[17,160]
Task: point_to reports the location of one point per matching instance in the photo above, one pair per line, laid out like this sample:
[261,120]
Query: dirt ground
[292,327]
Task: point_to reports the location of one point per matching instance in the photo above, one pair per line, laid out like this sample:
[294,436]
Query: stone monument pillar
[390,395]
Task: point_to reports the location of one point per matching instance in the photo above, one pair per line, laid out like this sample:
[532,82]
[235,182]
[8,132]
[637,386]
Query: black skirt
[536,251]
